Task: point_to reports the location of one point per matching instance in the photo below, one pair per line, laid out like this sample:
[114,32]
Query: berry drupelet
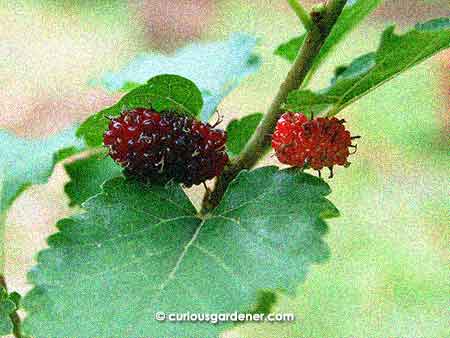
[163,147]
[317,143]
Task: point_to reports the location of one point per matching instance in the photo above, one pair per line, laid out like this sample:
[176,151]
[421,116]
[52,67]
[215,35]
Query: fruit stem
[259,144]
[302,14]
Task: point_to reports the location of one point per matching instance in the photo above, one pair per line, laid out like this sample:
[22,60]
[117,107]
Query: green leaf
[139,249]
[163,93]
[128,86]
[265,300]
[289,50]
[308,102]
[86,176]
[173,93]
[24,162]
[396,54]
[7,307]
[352,15]
[240,131]
[216,68]
[16,298]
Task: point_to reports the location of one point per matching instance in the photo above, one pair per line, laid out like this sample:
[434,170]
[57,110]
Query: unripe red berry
[165,147]
[318,143]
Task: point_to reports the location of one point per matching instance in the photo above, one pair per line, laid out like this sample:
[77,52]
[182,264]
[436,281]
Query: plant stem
[16,325]
[302,14]
[15,319]
[259,144]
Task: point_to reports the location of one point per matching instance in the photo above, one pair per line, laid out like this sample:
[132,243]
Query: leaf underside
[25,162]
[215,67]
[139,249]
[396,54]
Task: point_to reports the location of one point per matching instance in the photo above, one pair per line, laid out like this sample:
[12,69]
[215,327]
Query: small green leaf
[15,297]
[396,54]
[240,131]
[87,175]
[352,15]
[163,93]
[7,307]
[308,102]
[175,94]
[25,162]
[139,249]
[265,300]
[289,50]
[128,86]
[215,67]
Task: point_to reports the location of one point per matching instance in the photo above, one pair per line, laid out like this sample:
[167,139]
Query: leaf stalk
[302,14]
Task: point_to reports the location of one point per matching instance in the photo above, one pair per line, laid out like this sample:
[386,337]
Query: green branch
[259,145]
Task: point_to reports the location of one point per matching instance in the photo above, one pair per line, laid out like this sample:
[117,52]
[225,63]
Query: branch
[259,144]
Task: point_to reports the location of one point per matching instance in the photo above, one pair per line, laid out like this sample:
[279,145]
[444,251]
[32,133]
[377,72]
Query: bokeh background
[388,273]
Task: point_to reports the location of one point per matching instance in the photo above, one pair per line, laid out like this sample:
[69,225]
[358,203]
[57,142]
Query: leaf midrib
[173,272]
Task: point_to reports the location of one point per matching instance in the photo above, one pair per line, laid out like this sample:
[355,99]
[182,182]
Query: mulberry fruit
[317,143]
[163,147]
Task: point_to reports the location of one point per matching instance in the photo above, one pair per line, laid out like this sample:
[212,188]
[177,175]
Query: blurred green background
[388,273]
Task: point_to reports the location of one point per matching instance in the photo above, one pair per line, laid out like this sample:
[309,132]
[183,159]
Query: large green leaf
[240,131]
[87,175]
[352,15]
[7,307]
[139,249]
[163,93]
[396,54]
[215,67]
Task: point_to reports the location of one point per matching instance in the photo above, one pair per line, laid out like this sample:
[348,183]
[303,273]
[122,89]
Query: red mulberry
[318,143]
[165,147]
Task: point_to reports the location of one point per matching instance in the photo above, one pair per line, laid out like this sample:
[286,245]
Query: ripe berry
[318,143]
[164,147]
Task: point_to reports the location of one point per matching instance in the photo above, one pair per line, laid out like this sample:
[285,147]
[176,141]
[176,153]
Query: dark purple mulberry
[165,147]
